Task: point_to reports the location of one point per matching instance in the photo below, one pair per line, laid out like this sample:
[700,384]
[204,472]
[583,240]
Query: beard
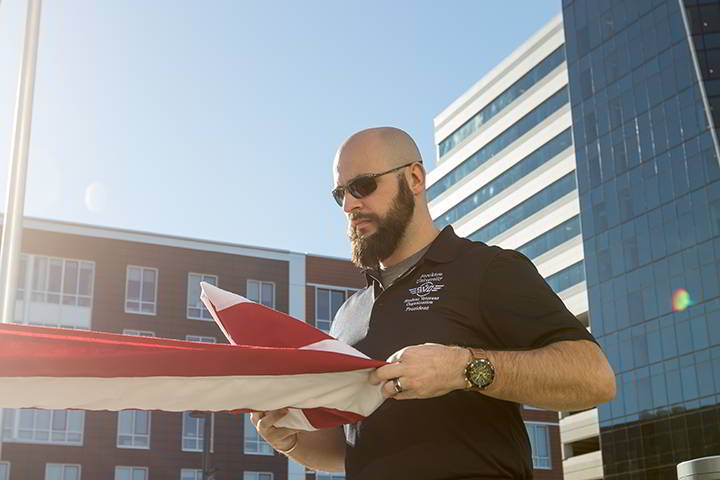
[368,251]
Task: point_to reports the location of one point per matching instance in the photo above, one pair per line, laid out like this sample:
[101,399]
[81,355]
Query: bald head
[377,149]
[390,220]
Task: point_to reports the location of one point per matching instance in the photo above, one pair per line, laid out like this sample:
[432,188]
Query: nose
[350,203]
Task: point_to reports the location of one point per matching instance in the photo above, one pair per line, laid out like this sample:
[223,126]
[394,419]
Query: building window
[4,471]
[499,143]
[261,292]
[133,429]
[195,308]
[191,474]
[193,431]
[521,170]
[61,427]
[540,441]
[200,338]
[254,444]
[327,303]
[131,473]
[59,471]
[54,292]
[296,471]
[257,476]
[506,98]
[56,280]
[141,290]
[138,333]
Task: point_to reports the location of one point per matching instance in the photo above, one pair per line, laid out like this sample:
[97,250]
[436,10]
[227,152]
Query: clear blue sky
[219,119]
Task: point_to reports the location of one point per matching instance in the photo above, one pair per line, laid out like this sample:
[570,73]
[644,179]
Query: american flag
[273,361]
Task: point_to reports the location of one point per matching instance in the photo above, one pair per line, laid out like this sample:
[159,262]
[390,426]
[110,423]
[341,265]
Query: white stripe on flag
[346,391]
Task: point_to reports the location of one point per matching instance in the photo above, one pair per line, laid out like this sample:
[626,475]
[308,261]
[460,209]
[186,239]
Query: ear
[417,179]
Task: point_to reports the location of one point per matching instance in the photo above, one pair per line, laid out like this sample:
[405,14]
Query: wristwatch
[479,372]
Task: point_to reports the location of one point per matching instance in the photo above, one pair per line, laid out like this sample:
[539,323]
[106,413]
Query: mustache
[363,216]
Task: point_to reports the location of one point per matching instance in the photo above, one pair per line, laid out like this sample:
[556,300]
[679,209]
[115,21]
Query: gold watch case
[480,373]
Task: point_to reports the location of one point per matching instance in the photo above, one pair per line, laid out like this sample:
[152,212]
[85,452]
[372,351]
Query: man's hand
[423,371]
[280,438]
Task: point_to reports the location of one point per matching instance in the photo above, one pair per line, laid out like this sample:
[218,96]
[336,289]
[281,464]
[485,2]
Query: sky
[219,120]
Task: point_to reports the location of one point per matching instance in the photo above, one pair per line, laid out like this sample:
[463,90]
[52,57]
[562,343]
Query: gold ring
[398,387]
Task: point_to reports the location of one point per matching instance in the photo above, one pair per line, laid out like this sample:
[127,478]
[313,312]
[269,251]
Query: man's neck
[416,238]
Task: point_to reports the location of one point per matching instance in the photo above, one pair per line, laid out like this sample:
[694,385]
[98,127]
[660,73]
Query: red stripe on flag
[250,323]
[27,351]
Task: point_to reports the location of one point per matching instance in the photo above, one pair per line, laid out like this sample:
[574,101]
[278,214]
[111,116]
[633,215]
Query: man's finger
[270,419]
[404,396]
[386,372]
[395,357]
[388,389]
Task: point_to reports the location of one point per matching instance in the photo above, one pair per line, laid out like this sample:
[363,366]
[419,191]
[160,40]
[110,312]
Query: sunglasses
[362,185]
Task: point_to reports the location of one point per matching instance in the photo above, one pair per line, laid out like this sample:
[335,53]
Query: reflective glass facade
[524,167]
[704,22]
[567,277]
[500,142]
[525,83]
[551,239]
[649,186]
[534,204]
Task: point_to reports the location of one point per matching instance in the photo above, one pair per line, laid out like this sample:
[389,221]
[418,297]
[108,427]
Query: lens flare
[96,197]
[680,300]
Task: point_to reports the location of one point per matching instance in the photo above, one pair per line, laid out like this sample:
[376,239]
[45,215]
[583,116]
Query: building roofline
[497,72]
[116,233]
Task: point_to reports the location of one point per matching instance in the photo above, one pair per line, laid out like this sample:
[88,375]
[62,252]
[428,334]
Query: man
[473,333]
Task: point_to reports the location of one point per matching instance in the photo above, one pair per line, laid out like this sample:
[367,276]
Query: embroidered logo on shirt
[421,299]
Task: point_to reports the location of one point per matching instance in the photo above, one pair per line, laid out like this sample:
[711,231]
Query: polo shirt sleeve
[521,308]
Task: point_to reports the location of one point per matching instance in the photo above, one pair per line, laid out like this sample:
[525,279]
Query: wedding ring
[398,387]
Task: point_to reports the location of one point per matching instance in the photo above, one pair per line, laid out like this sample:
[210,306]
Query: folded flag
[273,361]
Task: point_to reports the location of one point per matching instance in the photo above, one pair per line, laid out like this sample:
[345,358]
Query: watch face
[481,372]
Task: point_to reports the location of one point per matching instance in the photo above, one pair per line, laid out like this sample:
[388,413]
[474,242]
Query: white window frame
[198,435]
[139,300]
[536,459]
[260,284]
[135,438]
[196,303]
[256,475]
[138,333]
[200,338]
[14,436]
[250,435]
[348,293]
[41,294]
[197,474]
[64,465]
[7,470]
[132,471]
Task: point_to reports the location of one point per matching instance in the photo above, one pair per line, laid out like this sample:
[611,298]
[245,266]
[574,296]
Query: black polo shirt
[459,293]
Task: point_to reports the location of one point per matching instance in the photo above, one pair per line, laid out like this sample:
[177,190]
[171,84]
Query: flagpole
[12,224]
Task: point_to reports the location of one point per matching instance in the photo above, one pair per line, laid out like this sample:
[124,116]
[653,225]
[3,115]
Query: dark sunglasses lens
[339,195]
[362,187]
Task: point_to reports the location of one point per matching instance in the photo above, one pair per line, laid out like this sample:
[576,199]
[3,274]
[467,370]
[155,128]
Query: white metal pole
[12,228]
[12,225]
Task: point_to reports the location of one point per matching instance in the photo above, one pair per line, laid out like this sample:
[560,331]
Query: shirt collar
[446,246]
[444,249]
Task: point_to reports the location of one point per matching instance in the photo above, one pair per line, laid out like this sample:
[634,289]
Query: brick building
[136,283]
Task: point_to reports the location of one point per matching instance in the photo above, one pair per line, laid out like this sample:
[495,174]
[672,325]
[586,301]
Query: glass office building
[505,175]
[642,77]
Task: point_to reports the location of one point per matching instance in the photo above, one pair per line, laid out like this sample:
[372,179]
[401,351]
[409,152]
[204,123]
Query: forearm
[568,375]
[322,450]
